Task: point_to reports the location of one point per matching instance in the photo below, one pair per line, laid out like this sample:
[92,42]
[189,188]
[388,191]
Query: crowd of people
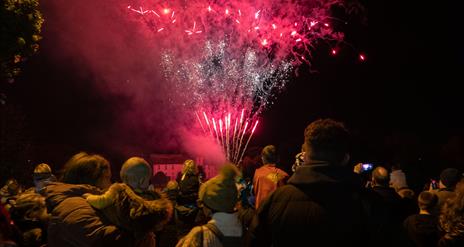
[324,202]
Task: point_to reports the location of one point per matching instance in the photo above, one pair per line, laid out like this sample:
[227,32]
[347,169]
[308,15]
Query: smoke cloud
[122,46]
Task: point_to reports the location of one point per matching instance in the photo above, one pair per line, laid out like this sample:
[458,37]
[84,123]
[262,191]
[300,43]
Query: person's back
[218,196]
[268,177]
[9,192]
[73,221]
[189,184]
[449,177]
[30,216]
[422,229]
[131,205]
[389,196]
[321,205]
[125,209]
[395,207]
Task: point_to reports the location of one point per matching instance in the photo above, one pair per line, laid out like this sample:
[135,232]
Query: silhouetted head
[326,140]
[84,168]
[189,168]
[427,201]
[380,177]
[136,172]
[269,155]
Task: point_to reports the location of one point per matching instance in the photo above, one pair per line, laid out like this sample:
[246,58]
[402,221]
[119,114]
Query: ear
[441,185]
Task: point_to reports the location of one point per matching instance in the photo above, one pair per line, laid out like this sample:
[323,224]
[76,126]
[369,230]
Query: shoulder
[282,172]
[118,186]
[410,219]
[260,170]
[288,188]
[75,220]
[192,239]
[285,194]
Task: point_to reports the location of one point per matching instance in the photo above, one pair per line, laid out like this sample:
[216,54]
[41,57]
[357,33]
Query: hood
[55,192]
[322,173]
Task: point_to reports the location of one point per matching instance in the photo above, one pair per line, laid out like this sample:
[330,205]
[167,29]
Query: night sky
[402,104]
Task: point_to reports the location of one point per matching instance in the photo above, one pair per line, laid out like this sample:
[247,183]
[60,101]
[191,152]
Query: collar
[228,224]
[321,172]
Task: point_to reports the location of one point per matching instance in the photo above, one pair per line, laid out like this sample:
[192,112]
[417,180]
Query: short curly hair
[327,140]
[269,154]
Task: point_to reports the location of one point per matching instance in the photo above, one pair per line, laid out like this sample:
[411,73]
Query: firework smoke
[224,56]
[157,63]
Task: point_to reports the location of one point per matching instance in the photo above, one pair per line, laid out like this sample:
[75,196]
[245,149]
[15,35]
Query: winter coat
[320,206]
[128,211]
[443,195]
[75,223]
[422,230]
[188,190]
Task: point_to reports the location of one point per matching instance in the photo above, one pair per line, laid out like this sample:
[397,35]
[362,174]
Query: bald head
[381,177]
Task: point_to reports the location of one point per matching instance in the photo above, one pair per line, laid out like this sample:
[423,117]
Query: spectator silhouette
[268,177]
[422,229]
[130,206]
[73,221]
[321,205]
[218,197]
[30,216]
[449,177]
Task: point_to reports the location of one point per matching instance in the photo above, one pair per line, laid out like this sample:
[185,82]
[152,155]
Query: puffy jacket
[75,223]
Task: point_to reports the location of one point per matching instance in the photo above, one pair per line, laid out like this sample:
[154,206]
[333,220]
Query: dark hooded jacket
[321,205]
[75,223]
[422,230]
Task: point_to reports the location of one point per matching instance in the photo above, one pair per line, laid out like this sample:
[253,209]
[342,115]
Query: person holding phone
[449,177]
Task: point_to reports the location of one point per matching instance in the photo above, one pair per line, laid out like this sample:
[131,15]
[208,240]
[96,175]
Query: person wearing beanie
[422,229]
[449,177]
[42,176]
[268,177]
[218,197]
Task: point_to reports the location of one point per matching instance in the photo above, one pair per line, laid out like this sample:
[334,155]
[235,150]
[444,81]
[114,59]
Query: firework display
[226,60]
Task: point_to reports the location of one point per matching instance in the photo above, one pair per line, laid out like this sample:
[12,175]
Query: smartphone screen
[434,184]
[367,167]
